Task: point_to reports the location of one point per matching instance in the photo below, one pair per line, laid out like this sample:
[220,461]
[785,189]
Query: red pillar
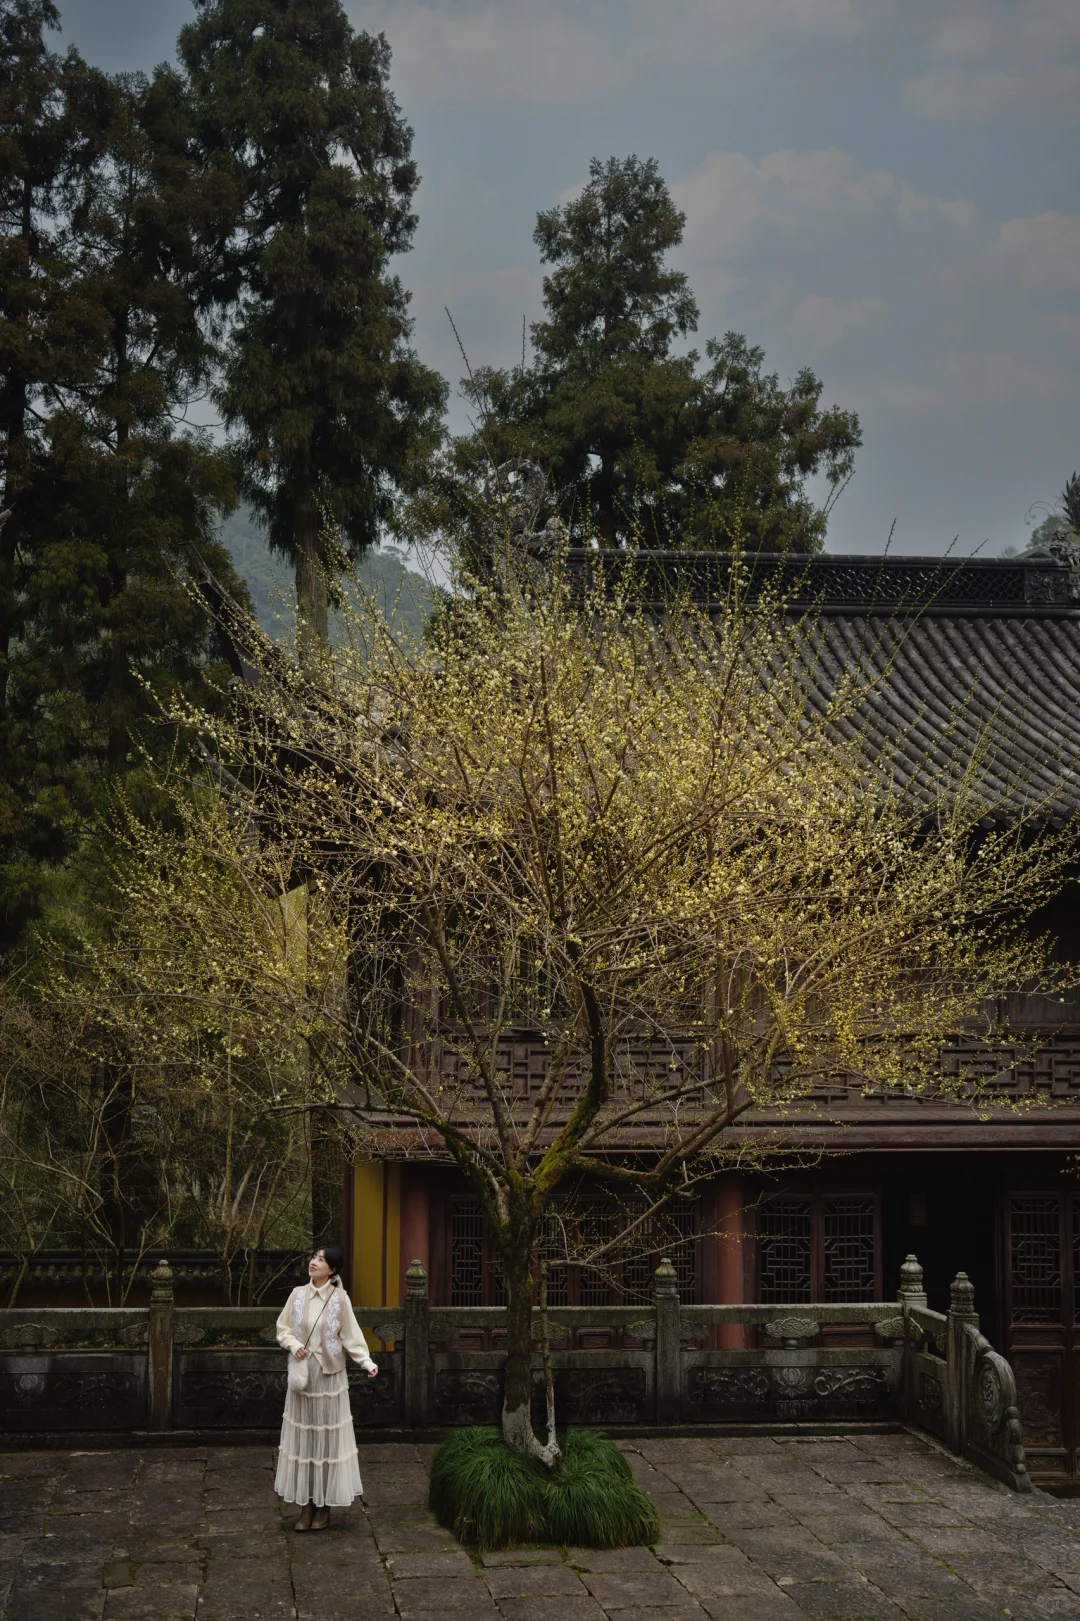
[415,1219]
[730,1230]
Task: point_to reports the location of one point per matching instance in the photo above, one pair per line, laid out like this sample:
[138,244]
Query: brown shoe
[303,1522]
[321,1519]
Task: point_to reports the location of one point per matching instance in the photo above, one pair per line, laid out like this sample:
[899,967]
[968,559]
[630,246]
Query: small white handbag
[298,1367]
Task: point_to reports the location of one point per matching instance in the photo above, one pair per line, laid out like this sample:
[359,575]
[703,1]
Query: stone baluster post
[159,1346]
[416,1347]
[912,1292]
[668,1344]
[961,1311]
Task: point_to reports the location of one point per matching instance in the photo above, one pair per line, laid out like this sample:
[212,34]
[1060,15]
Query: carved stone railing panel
[927,1393]
[228,1389]
[792,1386]
[73,1390]
[245,1390]
[992,1432]
[591,1387]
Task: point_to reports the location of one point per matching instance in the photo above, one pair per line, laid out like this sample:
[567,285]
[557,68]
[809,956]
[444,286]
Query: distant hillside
[404,596]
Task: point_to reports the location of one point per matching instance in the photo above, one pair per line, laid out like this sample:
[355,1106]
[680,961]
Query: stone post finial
[665,1279]
[911,1278]
[161,1281]
[416,1279]
[962,1295]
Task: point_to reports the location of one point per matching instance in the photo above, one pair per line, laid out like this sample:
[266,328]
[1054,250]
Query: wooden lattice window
[786,1250]
[551,1251]
[466,1252]
[849,1234]
[1035,1256]
[475,1274]
[819,1249]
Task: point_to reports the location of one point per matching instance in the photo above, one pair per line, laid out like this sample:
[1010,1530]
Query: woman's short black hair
[334,1255]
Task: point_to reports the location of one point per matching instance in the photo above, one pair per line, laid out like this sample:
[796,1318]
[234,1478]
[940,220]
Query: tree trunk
[606,525]
[14,426]
[517,1427]
[113,588]
[312,601]
[545,1357]
[14,405]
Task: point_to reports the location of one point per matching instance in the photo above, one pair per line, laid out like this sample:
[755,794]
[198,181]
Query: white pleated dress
[317,1460]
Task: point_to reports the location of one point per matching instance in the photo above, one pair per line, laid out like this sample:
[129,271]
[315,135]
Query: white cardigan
[336,1331]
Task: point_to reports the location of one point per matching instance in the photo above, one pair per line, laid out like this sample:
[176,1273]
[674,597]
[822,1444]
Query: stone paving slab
[755,1528]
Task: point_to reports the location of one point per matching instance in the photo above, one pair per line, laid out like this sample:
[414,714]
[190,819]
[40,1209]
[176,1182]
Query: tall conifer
[331,409]
[641,444]
[42,335]
[112,491]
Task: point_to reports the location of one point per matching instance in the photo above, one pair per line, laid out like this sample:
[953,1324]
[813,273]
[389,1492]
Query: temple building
[967,649]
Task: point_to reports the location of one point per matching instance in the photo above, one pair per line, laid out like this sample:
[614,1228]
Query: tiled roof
[966,660]
[1001,691]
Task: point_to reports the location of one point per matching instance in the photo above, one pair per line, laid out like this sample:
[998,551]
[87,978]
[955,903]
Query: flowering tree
[658,840]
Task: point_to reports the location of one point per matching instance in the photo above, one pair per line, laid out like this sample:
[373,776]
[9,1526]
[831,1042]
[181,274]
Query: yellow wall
[376,1235]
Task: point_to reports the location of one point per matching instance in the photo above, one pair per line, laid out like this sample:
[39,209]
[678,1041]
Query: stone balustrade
[218,1371]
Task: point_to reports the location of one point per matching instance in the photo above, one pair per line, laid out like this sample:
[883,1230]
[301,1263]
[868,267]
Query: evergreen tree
[115,496]
[641,445]
[43,325]
[750,447]
[332,411]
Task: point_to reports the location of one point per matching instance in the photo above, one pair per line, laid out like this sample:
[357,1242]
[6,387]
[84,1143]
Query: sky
[886,191]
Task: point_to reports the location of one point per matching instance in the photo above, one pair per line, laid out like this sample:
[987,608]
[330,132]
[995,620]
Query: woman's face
[318,1271]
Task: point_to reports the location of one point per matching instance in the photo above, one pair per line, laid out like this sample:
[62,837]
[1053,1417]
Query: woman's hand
[373,1372]
[301,1352]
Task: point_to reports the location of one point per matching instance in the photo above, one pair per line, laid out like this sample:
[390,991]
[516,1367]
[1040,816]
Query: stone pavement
[755,1529]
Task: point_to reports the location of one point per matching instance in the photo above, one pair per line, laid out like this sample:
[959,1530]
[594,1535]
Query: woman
[317,1462]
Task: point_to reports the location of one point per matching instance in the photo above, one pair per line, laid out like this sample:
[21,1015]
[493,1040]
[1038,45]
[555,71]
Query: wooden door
[1042,1337]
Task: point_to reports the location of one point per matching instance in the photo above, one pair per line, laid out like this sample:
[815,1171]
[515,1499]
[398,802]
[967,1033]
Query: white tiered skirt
[317,1460]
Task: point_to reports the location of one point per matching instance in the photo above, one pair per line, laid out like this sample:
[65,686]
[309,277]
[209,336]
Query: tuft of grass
[592,1501]
[496,1498]
[484,1493]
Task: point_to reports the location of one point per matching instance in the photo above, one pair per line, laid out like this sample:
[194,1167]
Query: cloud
[573,52]
[795,216]
[1005,377]
[987,59]
[925,303]
[1043,251]
[464,53]
[976,59]
[827,320]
